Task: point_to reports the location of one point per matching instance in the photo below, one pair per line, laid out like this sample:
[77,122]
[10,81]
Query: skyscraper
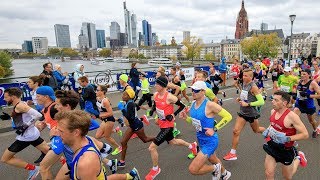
[114,30]
[62,35]
[264,26]
[130,21]
[89,30]
[134,30]
[149,35]
[27,46]
[101,38]
[186,35]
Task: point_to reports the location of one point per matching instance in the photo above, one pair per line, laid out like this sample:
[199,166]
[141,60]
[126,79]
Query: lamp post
[292,18]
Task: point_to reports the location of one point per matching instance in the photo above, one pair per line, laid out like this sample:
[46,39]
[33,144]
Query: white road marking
[227,99]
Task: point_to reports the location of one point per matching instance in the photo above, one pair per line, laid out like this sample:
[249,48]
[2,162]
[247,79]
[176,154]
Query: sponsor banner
[188,73]
[23,86]
[104,79]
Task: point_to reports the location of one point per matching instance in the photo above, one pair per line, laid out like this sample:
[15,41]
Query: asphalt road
[173,160]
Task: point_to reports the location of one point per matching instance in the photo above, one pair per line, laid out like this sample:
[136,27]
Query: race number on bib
[285,88]
[160,114]
[274,73]
[197,124]
[244,95]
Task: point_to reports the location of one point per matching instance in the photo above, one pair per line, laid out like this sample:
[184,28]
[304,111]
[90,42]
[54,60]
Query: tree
[5,64]
[141,56]
[54,52]
[263,45]
[173,58]
[69,52]
[209,56]
[105,52]
[192,48]
[2,72]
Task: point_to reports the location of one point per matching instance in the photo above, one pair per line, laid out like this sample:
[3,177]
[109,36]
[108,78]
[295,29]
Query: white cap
[178,64]
[199,85]
[287,69]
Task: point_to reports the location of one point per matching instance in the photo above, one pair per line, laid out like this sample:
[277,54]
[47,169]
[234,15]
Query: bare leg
[124,143]
[240,123]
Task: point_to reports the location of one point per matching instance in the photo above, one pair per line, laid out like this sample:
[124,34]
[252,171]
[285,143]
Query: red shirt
[266,62]
[236,69]
[163,109]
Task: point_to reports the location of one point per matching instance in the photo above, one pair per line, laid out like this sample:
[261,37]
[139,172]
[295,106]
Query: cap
[162,81]
[124,77]
[46,91]
[178,64]
[287,69]
[130,92]
[199,85]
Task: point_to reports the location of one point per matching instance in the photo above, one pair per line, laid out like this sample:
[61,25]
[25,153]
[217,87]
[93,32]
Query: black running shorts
[165,134]
[18,146]
[280,153]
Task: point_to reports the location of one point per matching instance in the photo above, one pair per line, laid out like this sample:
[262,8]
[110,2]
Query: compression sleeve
[34,114]
[181,107]
[226,118]
[259,101]
[153,108]
[209,94]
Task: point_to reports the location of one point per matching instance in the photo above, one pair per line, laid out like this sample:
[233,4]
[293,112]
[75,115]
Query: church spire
[242,23]
[242,5]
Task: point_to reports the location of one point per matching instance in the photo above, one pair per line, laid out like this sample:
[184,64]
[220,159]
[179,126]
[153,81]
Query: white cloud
[211,20]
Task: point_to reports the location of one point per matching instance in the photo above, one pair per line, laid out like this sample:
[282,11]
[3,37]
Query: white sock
[233,151]
[109,163]
[190,146]
[318,126]
[155,168]
[224,172]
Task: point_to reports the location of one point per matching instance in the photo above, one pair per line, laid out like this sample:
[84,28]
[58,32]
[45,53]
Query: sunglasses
[195,91]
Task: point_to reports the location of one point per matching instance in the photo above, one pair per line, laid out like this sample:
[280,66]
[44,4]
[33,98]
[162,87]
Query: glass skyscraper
[62,35]
[101,38]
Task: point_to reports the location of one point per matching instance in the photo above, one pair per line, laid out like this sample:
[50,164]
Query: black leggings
[144,98]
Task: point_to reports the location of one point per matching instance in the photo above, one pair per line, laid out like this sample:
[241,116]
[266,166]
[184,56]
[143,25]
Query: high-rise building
[186,35]
[114,30]
[242,24]
[163,42]
[149,35]
[62,35]
[145,32]
[264,27]
[122,41]
[141,39]
[108,42]
[130,21]
[101,38]
[154,39]
[40,45]
[89,30]
[27,46]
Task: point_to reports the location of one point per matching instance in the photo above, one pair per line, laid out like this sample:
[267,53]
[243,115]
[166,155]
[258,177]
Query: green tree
[262,45]
[141,56]
[173,58]
[209,56]
[54,52]
[2,72]
[5,63]
[105,52]
[192,48]
[69,52]
[134,54]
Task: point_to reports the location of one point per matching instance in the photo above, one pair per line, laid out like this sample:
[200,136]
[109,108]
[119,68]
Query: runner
[146,95]
[275,70]
[180,78]
[202,76]
[33,83]
[317,79]
[235,69]
[288,83]
[23,118]
[135,125]
[280,137]
[106,115]
[73,127]
[304,104]
[216,80]
[164,107]
[250,97]
[296,70]
[202,112]
[88,97]
[259,78]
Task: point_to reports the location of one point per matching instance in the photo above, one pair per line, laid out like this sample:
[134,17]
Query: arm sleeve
[226,118]
[181,107]
[34,114]
[259,101]
[130,113]
[210,94]
[153,108]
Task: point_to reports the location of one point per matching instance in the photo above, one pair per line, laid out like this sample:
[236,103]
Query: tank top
[51,123]
[163,109]
[304,101]
[19,119]
[200,121]
[248,97]
[73,169]
[101,108]
[276,72]
[277,126]
[315,74]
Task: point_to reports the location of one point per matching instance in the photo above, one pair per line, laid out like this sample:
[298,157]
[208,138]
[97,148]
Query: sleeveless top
[101,108]
[51,123]
[163,109]
[248,97]
[304,101]
[277,126]
[73,169]
[200,121]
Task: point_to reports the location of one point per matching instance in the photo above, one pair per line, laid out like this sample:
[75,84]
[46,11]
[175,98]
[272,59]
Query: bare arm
[315,87]
[299,126]
[88,159]
[108,107]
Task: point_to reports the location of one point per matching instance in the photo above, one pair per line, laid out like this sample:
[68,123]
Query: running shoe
[303,160]
[148,112]
[176,132]
[121,164]
[318,130]
[145,119]
[216,174]
[152,174]
[191,156]
[116,151]
[314,134]
[40,158]
[118,130]
[34,173]
[135,174]
[156,117]
[226,176]
[237,91]
[220,102]
[271,98]
[187,109]
[194,148]
[114,166]
[230,157]
[120,121]
[224,94]
[134,136]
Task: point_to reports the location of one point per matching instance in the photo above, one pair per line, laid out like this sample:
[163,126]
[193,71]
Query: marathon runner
[288,83]
[276,70]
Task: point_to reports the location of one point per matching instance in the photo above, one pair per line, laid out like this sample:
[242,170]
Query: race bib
[197,124]
[285,88]
[274,73]
[274,134]
[160,114]
[300,97]
[244,95]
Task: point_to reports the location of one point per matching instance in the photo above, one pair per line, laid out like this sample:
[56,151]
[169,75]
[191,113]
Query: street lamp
[292,18]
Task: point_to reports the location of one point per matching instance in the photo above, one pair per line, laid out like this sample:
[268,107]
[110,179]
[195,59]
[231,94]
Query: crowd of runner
[70,114]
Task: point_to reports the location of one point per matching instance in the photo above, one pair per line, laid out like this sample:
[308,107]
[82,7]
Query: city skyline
[212,21]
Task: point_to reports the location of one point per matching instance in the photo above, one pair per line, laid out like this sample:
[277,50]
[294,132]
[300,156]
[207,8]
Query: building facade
[27,46]
[101,38]
[161,51]
[147,33]
[130,21]
[301,45]
[230,48]
[213,48]
[114,30]
[40,45]
[62,36]
[242,24]
[134,30]
[186,35]
[89,30]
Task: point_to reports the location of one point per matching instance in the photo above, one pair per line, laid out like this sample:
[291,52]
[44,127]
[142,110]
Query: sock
[155,168]
[224,172]
[318,126]
[122,161]
[109,163]
[30,167]
[190,146]
[233,151]
[128,176]
[63,161]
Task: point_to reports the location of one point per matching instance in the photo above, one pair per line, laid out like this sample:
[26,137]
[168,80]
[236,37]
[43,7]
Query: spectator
[48,77]
[57,73]
[79,72]
[223,70]
[88,97]
[134,79]
[33,83]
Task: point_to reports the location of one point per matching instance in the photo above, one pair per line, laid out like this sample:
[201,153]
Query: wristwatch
[288,139]
[215,129]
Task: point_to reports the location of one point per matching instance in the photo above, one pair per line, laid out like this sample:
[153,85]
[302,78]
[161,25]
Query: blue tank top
[305,102]
[200,121]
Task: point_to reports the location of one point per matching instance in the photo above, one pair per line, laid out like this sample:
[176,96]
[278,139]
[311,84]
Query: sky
[211,20]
